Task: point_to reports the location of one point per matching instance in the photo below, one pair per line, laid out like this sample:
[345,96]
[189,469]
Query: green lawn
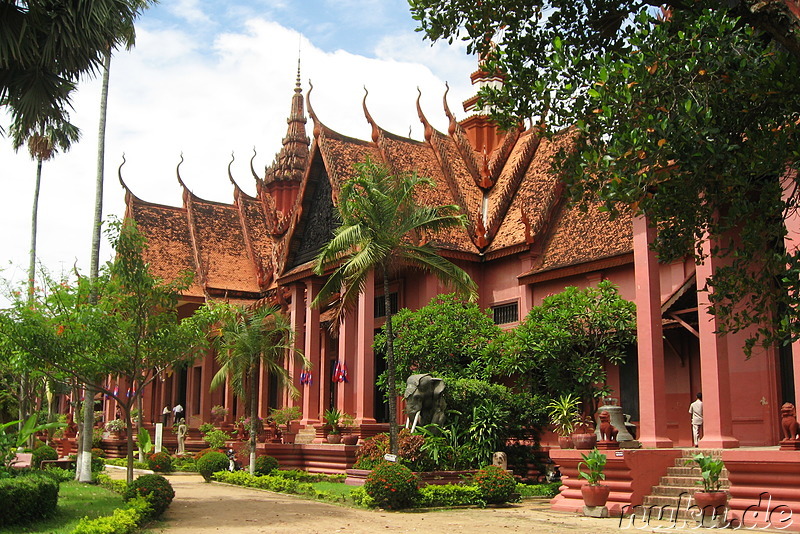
[75,501]
[337,488]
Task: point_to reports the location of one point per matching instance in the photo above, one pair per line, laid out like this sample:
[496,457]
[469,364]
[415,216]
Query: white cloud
[189,10]
[177,93]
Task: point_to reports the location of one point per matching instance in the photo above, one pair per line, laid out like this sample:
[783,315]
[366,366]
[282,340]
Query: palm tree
[50,137]
[250,338]
[384,228]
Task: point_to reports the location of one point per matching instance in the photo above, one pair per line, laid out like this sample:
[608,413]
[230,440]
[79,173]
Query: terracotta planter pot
[288,437]
[565,442]
[334,438]
[595,495]
[584,441]
[350,439]
[711,503]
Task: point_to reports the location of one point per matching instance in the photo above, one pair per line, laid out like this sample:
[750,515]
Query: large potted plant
[333,418]
[562,413]
[594,493]
[285,416]
[583,435]
[712,499]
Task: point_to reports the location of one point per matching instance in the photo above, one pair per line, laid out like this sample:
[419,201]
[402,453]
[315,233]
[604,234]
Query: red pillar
[311,396]
[652,393]
[714,366]
[297,315]
[364,380]
[206,374]
[346,392]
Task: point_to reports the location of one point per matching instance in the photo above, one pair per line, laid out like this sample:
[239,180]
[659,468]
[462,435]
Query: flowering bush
[155,488]
[160,462]
[392,485]
[265,465]
[495,484]
[370,454]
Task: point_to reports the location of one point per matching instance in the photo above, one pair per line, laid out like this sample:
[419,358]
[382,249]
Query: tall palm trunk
[394,446]
[253,415]
[85,447]
[24,379]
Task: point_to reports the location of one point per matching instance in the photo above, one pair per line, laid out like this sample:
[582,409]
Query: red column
[364,381]
[311,396]
[297,316]
[715,376]
[206,374]
[346,392]
[652,394]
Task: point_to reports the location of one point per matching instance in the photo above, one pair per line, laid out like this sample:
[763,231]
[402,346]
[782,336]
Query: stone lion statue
[791,430]
[607,431]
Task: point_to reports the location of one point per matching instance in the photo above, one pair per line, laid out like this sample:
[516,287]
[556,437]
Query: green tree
[384,229]
[249,339]
[688,116]
[448,337]
[132,334]
[563,344]
[45,47]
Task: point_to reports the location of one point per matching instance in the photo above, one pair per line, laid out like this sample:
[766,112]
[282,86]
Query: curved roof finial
[230,176]
[317,128]
[252,170]
[376,132]
[119,174]
[428,129]
[178,173]
[452,127]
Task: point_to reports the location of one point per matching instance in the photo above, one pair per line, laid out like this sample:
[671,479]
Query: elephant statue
[425,402]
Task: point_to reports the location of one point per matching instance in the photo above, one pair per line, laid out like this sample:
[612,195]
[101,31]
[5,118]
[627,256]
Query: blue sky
[208,79]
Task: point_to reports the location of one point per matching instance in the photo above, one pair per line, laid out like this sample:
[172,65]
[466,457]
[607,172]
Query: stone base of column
[656,443]
[719,442]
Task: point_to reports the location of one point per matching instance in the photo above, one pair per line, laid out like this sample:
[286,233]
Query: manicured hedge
[212,462]
[45,452]
[122,521]
[155,488]
[26,498]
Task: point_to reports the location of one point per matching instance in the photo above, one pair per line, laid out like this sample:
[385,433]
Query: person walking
[165,414]
[177,413]
[696,411]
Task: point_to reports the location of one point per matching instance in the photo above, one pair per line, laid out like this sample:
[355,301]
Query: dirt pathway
[201,508]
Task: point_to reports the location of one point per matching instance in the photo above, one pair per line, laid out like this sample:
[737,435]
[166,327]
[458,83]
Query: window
[380,305]
[505,313]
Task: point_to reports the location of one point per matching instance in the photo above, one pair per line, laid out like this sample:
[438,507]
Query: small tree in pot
[285,416]
[562,413]
[712,500]
[594,493]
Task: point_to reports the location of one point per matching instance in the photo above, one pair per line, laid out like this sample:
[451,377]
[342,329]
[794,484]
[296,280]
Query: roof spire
[290,162]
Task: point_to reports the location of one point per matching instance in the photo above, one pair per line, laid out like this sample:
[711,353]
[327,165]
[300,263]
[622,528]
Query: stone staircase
[672,497]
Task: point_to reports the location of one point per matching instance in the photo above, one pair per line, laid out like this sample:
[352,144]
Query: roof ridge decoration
[376,130]
[464,147]
[428,129]
[263,276]
[188,204]
[290,161]
[128,192]
[501,155]
[510,187]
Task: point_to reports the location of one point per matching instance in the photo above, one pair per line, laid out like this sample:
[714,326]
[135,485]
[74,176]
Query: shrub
[360,497]
[160,462]
[155,488]
[370,454]
[185,463]
[205,428]
[212,462]
[392,486]
[450,495]
[549,489]
[97,452]
[27,497]
[58,474]
[216,438]
[122,521]
[265,465]
[112,484]
[495,484]
[199,454]
[45,452]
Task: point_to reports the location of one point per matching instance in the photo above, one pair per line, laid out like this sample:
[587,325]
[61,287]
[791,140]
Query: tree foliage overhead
[688,115]
[45,46]
[448,338]
[563,344]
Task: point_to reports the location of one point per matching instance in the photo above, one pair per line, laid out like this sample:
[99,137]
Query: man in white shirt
[177,413]
[696,411]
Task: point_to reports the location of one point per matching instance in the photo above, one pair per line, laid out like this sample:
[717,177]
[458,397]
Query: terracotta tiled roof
[221,248]
[169,245]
